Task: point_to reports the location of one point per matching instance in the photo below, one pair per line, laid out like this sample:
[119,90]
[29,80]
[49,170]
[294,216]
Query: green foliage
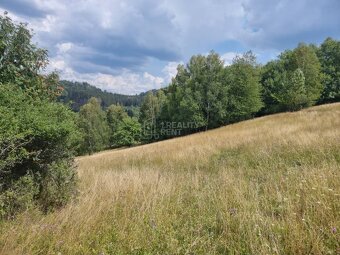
[21,61]
[207,93]
[293,81]
[115,115]
[244,92]
[128,132]
[94,126]
[19,196]
[198,92]
[150,112]
[58,185]
[329,56]
[292,94]
[34,135]
[305,58]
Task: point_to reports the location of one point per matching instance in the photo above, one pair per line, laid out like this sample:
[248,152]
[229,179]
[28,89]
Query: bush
[36,137]
[58,186]
[19,197]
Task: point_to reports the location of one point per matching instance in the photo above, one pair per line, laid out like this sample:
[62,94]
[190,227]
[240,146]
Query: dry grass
[266,186]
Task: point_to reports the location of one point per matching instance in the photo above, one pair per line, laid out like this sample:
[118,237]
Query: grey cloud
[23,7]
[282,24]
[108,36]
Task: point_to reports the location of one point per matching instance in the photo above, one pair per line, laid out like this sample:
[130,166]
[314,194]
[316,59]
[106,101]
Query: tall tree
[281,91]
[21,61]
[199,92]
[329,55]
[150,113]
[305,58]
[37,135]
[292,94]
[115,115]
[244,92]
[93,123]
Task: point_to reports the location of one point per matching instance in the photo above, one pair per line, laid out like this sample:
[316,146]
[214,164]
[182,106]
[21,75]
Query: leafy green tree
[21,62]
[281,91]
[128,132]
[273,79]
[94,126]
[190,108]
[209,87]
[329,55]
[150,114]
[115,115]
[199,92]
[292,95]
[38,136]
[244,88]
[304,57]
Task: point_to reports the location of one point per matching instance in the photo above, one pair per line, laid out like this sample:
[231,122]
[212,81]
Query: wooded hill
[78,93]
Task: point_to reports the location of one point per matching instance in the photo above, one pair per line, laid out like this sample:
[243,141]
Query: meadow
[269,185]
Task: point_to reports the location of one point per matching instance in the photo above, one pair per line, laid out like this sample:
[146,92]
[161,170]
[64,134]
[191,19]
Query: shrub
[19,197]
[37,137]
[58,186]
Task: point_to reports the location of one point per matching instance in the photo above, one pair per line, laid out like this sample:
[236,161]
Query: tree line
[76,94]
[40,136]
[207,94]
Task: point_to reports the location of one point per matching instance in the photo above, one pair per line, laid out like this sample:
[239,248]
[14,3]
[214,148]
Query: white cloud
[170,71]
[228,57]
[125,83]
[64,47]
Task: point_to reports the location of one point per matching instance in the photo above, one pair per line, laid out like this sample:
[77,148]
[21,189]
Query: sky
[133,46]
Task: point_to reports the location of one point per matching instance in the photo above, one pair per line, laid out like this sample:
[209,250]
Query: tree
[329,56]
[128,132]
[282,80]
[94,126]
[199,92]
[115,115]
[150,114]
[244,92]
[292,95]
[304,57]
[21,62]
[209,87]
[38,136]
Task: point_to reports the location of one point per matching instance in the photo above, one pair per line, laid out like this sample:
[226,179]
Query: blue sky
[132,46]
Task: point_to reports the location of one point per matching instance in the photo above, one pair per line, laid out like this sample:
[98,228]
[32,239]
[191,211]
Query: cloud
[228,57]
[27,8]
[119,38]
[126,82]
[283,24]
[170,71]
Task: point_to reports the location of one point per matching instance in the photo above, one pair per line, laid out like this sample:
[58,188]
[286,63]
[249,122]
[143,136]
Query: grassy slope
[266,186]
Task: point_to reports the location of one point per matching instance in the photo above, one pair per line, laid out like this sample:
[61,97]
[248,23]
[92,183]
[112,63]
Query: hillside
[78,93]
[270,185]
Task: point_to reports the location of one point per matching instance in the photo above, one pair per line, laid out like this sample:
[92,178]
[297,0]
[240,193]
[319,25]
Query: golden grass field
[265,186]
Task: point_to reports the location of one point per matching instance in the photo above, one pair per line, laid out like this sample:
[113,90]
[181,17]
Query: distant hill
[78,93]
